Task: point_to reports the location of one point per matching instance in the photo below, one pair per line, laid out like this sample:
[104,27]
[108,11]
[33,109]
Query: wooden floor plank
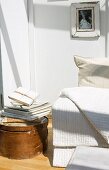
[41,162]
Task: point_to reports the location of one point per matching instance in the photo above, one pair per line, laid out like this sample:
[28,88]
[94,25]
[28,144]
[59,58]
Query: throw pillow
[93,71]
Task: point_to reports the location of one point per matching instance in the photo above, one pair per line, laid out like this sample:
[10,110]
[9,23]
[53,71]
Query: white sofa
[70,127]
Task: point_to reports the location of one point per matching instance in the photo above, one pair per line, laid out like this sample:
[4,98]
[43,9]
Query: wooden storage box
[23,140]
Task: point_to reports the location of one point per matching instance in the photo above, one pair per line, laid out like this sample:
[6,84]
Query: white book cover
[29,93]
[23,96]
[33,107]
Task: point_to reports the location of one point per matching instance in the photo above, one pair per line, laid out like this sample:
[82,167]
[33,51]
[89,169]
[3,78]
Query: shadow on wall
[58,17]
[52,17]
[11,56]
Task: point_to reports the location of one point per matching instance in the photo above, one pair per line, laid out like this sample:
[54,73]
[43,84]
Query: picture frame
[85,19]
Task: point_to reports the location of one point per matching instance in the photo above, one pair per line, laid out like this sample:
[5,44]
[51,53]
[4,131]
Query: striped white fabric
[62,156]
[94,105]
[70,127]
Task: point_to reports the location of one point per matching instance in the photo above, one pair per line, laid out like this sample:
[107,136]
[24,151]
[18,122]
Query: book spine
[29,118]
[14,111]
[25,113]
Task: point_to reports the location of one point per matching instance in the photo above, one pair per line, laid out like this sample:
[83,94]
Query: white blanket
[94,104]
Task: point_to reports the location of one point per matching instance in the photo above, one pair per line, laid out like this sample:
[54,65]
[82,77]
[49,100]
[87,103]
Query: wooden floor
[41,162]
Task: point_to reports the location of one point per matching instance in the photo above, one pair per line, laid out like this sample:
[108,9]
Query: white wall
[14,45]
[54,47]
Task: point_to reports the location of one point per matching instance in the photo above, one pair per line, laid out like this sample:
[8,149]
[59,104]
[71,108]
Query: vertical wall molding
[30,13]
[106,2]
[107,9]
[1,79]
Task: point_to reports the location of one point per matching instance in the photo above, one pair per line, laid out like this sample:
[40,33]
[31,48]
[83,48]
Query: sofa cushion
[93,71]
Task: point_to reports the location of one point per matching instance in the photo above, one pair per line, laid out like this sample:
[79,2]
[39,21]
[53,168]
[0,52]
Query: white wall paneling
[14,46]
[30,11]
[37,49]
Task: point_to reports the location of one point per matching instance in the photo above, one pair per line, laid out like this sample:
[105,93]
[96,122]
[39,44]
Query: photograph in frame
[85,19]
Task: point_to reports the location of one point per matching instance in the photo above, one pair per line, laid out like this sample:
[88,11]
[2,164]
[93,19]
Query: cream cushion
[93,71]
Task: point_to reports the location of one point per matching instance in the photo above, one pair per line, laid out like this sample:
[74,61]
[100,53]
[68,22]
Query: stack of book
[24,107]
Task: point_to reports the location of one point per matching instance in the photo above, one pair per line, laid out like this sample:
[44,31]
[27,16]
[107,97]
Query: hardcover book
[23,96]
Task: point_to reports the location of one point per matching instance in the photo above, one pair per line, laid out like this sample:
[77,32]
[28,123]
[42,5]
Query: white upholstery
[70,129]
[62,156]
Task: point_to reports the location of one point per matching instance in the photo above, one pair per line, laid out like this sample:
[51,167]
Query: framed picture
[85,19]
